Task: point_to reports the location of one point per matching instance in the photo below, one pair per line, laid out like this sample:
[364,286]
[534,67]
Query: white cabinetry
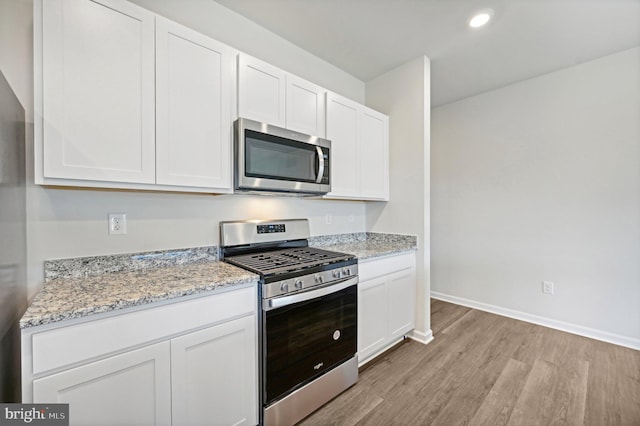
[360,150]
[191,362]
[270,95]
[133,388]
[386,303]
[261,91]
[193,88]
[305,107]
[214,375]
[129,100]
[98,91]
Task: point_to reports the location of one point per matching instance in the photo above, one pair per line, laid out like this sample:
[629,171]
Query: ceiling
[526,38]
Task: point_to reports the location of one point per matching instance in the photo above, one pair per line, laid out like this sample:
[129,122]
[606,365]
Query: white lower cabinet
[386,303]
[133,388]
[121,371]
[213,375]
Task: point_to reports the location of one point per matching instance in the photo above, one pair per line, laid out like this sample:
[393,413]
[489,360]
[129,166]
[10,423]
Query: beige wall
[538,181]
[404,94]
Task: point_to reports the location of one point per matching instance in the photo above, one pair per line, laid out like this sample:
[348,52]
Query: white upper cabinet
[342,131]
[359,150]
[127,99]
[261,91]
[98,91]
[193,108]
[270,95]
[305,110]
[374,155]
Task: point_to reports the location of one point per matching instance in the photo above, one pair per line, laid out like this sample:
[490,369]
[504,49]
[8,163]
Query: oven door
[307,334]
[270,158]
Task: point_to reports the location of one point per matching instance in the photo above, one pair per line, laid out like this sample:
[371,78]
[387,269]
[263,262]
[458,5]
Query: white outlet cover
[117,223]
[547,287]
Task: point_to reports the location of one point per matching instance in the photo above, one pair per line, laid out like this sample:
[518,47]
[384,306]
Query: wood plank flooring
[484,369]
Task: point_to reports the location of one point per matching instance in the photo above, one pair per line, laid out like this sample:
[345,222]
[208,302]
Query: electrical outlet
[328,218]
[351,218]
[117,223]
[547,287]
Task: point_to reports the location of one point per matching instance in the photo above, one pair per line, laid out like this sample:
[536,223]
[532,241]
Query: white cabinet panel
[270,95]
[401,299]
[342,131]
[193,108]
[372,317]
[374,155]
[261,91]
[133,388]
[98,91]
[305,110]
[214,375]
[360,150]
[386,303]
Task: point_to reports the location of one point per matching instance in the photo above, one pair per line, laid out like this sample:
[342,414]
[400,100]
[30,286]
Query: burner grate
[288,260]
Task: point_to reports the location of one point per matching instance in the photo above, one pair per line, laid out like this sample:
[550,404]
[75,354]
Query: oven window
[304,340]
[272,157]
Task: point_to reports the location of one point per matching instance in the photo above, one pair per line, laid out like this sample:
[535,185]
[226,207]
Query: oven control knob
[336,273]
[319,279]
[284,287]
[346,272]
[299,284]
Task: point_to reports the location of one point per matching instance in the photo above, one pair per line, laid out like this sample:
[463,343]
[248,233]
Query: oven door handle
[279,302]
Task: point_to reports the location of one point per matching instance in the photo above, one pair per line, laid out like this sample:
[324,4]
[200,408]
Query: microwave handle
[320,165]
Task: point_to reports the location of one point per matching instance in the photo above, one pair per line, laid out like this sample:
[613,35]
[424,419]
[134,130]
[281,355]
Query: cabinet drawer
[97,338]
[386,265]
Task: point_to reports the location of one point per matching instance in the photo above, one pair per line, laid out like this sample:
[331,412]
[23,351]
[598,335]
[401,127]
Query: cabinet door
[193,108]
[305,109]
[214,375]
[98,91]
[133,388]
[342,130]
[374,155]
[401,299]
[372,317]
[261,91]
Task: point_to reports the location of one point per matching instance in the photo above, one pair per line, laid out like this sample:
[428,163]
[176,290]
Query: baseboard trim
[421,336]
[592,333]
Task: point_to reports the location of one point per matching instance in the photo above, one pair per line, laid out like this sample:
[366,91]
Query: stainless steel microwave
[276,160]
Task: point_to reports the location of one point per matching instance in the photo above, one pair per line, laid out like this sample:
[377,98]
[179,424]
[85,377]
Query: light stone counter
[82,287]
[67,298]
[367,245]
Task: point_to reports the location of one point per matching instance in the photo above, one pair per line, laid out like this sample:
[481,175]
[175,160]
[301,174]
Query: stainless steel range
[308,307]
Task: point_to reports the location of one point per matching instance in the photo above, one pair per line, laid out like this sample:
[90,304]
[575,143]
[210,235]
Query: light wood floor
[484,369]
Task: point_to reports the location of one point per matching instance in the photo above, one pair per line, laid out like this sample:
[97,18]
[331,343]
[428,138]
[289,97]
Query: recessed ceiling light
[481,18]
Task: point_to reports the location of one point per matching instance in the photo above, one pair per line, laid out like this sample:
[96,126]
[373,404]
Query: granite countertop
[367,245]
[80,287]
[68,298]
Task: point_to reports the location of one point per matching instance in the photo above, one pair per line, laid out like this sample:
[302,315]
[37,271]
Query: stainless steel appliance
[13,237]
[308,313]
[276,160]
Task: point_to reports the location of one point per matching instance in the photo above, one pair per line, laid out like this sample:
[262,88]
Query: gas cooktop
[287,260]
